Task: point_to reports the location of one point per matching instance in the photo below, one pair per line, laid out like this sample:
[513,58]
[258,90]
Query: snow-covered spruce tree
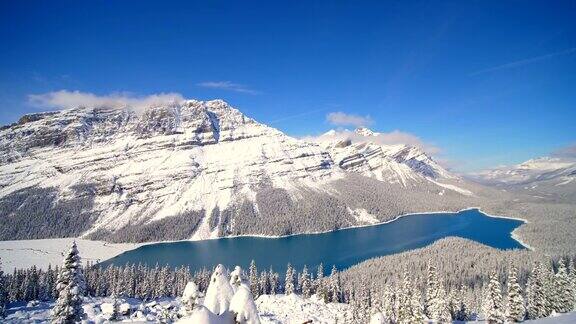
[253,277]
[219,292]
[335,290]
[549,287]
[264,283]
[3,292]
[515,310]
[536,299]
[431,296]
[320,284]
[409,308]
[436,306]
[572,278]
[416,306]
[289,280]
[361,304]
[305,283]
[563,300]
[443,311]
[461,311]
[273,281]
[493,307]
[70,286]
[389,304]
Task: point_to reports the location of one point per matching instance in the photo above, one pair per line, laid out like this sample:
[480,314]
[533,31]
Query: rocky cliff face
[191,169]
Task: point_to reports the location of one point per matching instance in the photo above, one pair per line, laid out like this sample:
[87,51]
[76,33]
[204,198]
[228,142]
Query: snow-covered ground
[271,308]
[567,318]
[26,253]
[294,309]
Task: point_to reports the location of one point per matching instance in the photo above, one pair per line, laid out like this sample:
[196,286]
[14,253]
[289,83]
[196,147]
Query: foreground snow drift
[271,309]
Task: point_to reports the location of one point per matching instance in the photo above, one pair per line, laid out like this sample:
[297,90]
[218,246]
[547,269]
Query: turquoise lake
[342,248]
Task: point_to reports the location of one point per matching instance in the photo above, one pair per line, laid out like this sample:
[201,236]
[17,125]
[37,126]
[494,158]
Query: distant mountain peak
[365,131]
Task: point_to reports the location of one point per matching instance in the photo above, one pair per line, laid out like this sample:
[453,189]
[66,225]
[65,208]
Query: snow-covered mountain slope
[399,163]
[545,177]
[188,169]
[540,169]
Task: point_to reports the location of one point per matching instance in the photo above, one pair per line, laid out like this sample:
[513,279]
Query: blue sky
[486,82]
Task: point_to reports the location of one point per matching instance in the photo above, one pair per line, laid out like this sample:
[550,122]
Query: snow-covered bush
[237,278]
[220,292]
[222,304]
[378,318]
[243,307]
[191,296]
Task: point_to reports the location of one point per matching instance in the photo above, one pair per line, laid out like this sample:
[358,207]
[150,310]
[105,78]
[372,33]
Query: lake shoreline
[21,256]
[340,248]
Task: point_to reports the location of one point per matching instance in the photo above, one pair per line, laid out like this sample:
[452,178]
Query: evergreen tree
[335,290]
[320,284]
[535,295]
[461,311]
[436,302]
[572,278]
[289,280]
[70,286]
[562,290]
[253,277]
[494,309]
[306,284]
[264,283]
[273,281]
[3,292]
[115,316]
[389,304]
[416,306]
[515,310]
[409,308]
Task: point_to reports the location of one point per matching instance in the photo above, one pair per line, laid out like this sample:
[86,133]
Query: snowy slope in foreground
[277,309]
[273,309]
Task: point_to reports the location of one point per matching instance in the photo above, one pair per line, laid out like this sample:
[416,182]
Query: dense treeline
[550,288]
[463,268]
[37,213]
[147,283]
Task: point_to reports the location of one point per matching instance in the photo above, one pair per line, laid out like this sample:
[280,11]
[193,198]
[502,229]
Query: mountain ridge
[191,169]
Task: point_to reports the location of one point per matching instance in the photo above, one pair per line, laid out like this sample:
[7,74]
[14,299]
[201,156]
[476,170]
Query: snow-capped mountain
[189,169]
[561,171]
[543,178]
[399,163]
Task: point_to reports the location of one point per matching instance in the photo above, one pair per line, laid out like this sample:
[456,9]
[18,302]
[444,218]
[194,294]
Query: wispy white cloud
[526,61]
[70,99]
[229,86]
[343,119]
